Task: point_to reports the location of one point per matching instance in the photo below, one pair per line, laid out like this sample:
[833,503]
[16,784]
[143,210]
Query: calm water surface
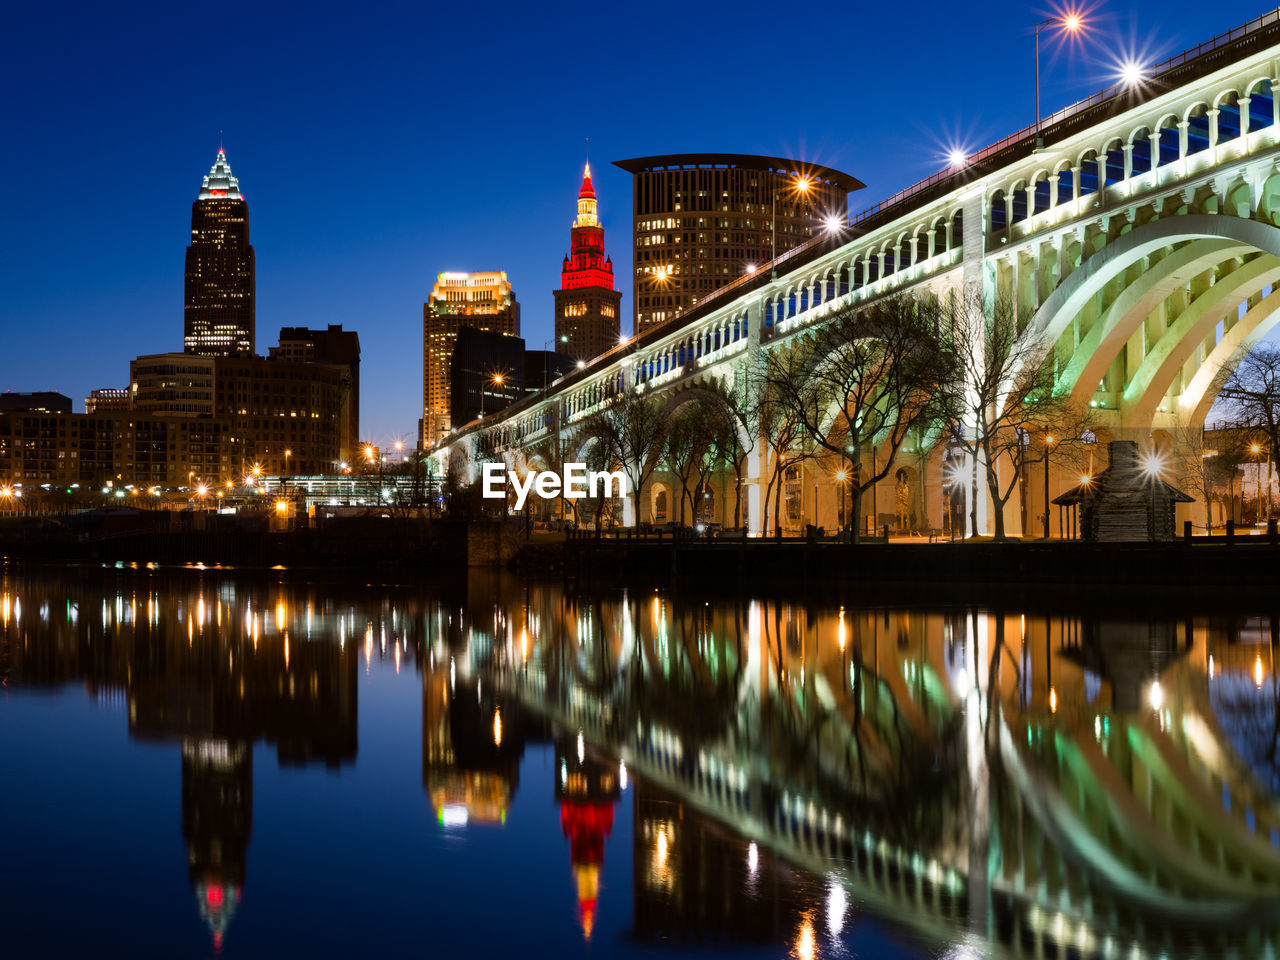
[205,763]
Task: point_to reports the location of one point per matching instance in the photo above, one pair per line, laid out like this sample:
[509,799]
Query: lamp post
[802,184]
[1048,446]
[840,478]
[1071,23]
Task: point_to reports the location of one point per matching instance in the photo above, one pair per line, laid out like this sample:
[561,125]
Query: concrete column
[1182,142]
[1213,132]
[1243,104]
[1053,191]
[1155,149]
[1128,165]
[974,292]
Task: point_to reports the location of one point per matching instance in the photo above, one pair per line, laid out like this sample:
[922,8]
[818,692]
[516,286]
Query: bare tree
[685,444]
[1252,393]
[774,420]
[1001,396]
[632,427]
[736,411]
[1207,461]
[869,376]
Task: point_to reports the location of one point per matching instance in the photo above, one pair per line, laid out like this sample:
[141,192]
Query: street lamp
[497,380]
[1048,447]
[1071,23]
[841,476]
[802,184]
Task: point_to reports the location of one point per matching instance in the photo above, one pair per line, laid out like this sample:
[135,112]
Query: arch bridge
[1140,246]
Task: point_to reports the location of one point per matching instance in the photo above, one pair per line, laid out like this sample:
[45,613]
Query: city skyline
[394,214]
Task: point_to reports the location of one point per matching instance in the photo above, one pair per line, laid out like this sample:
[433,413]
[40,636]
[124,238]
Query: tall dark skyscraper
[218,316]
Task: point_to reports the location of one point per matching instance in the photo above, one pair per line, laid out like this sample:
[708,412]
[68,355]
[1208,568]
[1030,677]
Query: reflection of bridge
[977,771]
[1139,247]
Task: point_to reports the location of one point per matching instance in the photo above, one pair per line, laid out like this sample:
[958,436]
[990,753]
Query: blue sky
[381,143]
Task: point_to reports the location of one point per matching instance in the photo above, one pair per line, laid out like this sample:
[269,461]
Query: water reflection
[1091,785]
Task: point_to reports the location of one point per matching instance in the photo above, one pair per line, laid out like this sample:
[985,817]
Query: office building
[45,401]
[484,301]
[218,305]
[486,373]
[701,220]
[333,345]
[587,306]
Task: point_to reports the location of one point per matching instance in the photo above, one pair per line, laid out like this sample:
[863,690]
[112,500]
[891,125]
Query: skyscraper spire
[587,203]
[219,182]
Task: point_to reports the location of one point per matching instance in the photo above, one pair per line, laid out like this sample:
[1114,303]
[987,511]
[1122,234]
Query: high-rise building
[481,300]
[486,373]
[332,345]
[587,305]
[218,312]
[701,220]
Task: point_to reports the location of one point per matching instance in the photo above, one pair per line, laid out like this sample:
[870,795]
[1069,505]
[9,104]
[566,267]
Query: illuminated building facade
[481,300]
[702,220]
[587,305]
[218,304]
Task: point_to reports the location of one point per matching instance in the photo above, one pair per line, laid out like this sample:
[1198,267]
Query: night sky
[378,144]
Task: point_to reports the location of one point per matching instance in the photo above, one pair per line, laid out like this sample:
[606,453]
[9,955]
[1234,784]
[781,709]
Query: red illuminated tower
[586,304]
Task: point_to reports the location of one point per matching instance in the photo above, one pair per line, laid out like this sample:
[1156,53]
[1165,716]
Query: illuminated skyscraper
[481,300]
[587,306]
[218,314]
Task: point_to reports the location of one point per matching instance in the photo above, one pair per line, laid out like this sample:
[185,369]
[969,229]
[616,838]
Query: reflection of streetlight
[1071,23]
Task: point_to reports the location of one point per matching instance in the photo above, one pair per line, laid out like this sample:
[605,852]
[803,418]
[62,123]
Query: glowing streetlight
[582,364]
[956,157]
[1131,73]
[832,223]
[1071,23]
[751,268]
[802,185]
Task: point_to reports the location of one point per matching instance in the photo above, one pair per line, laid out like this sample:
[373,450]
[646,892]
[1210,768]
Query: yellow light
[1257,671]
[1085,478]
[1053,700]
[1072,22]
[230,485]
[282,507]
[1049,440]
[257,470]
[841,634]
[368,453]
[1156,695]
[841,475]
[803,184]
[202,490]
[497,379]
[1255,448]
[497,728]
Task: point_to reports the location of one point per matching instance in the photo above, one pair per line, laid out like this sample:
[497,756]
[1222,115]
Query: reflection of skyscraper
[680,854]
[217,818]
[471,750]
[587,789]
